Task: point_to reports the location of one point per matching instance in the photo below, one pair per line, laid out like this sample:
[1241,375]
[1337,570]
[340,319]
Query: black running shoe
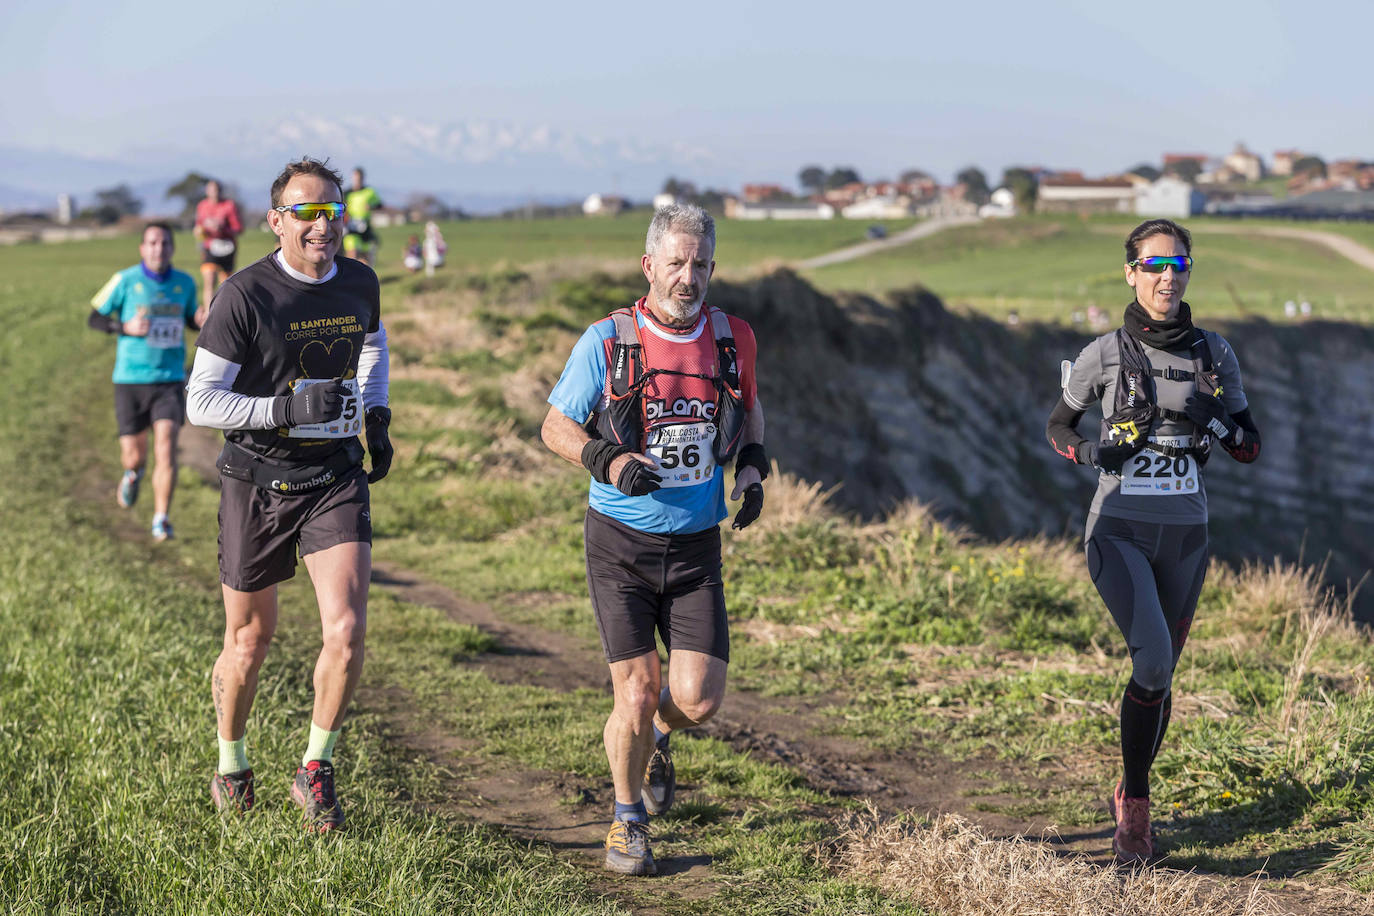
[660,780]
[232,790]
[313,790]
[627,849]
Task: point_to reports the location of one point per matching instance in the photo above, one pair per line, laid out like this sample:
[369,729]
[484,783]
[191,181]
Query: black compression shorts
[260,531]
[643,583]
[223,262]
[137,407]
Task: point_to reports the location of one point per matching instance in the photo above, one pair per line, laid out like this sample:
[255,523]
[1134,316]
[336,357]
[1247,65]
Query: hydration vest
[1135,410]
[622,420]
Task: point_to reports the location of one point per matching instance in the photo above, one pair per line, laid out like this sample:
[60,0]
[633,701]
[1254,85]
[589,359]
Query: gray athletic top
[1093,380]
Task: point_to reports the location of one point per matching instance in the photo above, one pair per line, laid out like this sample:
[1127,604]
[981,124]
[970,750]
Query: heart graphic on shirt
[321,361]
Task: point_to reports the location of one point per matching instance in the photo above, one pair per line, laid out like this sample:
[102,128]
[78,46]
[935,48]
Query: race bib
[1151,474]
[350,422]
[357,226]
[220,247]
[164,333]
[683,452]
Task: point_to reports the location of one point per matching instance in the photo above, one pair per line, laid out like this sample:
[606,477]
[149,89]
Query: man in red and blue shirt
[656,500]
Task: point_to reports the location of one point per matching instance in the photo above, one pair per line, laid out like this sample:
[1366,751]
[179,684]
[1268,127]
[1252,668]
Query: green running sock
[321,746]
[233,756]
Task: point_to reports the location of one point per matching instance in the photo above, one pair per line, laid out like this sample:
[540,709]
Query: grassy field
[994,664]
[1045,268]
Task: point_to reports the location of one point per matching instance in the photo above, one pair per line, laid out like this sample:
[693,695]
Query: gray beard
[681,316]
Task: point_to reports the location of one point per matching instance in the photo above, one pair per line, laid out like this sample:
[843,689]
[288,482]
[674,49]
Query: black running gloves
[1209,413]
[1106,457]
[319,403]
[379,442]
[750,507]
[635,479]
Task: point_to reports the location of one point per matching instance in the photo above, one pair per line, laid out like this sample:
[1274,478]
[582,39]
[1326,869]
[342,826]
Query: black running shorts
[641,583]
[223,262]
[260,531]
[137,407]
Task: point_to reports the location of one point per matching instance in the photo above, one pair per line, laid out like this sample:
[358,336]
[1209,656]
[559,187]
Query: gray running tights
[1149,575]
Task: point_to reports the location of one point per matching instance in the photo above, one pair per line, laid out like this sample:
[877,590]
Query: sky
[765,88]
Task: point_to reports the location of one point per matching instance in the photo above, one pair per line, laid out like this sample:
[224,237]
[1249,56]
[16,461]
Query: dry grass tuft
[789,501]
[952,868]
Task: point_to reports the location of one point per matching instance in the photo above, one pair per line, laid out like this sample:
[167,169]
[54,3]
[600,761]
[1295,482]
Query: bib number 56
[688,456]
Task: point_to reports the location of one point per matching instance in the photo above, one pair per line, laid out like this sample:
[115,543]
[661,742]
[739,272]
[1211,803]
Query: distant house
[739,209]
[603,205]
[887,206]
[1168,197]
[1081,195]
[760,193]
[1283,161]
[664,200]
[388,216]
[1343,169]
[1177,159]
[1244,163]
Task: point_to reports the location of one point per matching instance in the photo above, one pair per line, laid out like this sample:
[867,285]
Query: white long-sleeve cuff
[374,370]
[211,400]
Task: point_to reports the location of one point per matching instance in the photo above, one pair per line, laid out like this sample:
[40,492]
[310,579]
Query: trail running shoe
[660,780]
[627,849]
[162,530]
[232,790]
[127,494]
[1133,843]
[313,790]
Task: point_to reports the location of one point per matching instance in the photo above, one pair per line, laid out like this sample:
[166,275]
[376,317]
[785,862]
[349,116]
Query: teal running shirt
[170,305]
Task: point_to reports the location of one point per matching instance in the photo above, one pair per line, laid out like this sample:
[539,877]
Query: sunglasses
[311,212]
[1181,265]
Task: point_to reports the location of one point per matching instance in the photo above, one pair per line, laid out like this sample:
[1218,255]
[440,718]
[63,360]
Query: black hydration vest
[1135,410]
[622,420]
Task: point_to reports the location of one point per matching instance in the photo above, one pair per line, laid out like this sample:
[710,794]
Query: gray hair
[687,218]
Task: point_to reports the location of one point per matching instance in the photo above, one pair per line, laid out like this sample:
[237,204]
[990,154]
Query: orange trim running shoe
[1133,843]
[627,849]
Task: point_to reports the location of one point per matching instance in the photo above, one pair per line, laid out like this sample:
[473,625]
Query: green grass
[915,640]
[1047,267]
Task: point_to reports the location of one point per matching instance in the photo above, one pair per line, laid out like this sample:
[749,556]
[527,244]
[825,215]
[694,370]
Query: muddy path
[568,813]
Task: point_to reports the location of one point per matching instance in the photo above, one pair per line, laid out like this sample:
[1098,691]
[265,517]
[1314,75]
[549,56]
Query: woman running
[1170,395]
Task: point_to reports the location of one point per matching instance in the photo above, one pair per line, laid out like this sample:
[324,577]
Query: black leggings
[1149,575]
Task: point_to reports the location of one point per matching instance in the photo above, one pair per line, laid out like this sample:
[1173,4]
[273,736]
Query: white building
[738,209]
[886,207]
[1077,195]
[1001,205]
[1168,197]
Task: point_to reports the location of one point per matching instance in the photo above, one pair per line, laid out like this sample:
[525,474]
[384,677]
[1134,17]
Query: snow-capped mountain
[483,160]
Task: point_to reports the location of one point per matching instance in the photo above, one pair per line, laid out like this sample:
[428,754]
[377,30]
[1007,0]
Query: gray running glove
[313,404]
[750,506]
[637,480]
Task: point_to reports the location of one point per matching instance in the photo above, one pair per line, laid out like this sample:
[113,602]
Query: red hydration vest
[652,382]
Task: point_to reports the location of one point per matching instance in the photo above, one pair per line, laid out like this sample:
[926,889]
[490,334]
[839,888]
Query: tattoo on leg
[218,691]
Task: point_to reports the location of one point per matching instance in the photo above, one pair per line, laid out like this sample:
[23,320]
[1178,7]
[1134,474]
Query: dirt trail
[568,813]
[1342,245]
[906,236]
